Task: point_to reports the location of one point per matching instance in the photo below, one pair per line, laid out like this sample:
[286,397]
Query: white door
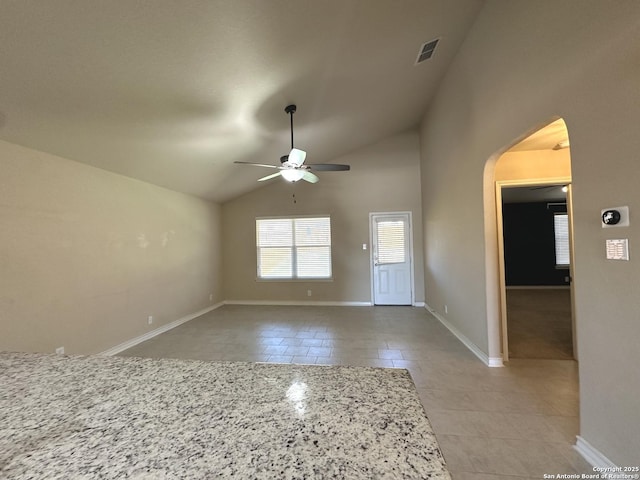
[391,255]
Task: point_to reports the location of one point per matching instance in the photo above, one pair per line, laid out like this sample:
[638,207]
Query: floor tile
[320,351]
[292,341]
[304,360]
[275,349]
[311,342]
[280,359]
[491,423]
[390,354]
[296,350]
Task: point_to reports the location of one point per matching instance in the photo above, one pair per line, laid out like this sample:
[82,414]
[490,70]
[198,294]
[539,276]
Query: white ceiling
[173,92]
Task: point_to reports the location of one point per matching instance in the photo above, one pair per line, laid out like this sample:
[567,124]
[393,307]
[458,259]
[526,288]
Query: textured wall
[533,164]
[384,177]
[87,255]
[524,64]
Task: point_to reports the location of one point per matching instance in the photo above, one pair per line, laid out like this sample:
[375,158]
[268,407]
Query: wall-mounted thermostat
[615,217]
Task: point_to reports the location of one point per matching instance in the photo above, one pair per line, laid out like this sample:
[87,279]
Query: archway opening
[525,211]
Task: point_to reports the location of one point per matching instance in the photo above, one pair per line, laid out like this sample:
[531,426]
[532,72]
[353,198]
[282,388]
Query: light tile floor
[539,323]
[517,422]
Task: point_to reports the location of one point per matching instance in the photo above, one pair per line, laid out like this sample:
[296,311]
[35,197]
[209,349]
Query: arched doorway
[535,169]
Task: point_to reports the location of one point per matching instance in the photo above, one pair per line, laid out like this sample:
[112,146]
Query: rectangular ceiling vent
[426,50]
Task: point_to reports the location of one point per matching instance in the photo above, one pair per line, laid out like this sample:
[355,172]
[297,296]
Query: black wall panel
[529,245]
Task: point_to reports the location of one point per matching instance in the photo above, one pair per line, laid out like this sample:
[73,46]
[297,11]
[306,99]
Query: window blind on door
[391,242]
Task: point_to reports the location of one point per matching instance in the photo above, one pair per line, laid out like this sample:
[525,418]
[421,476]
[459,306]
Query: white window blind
[391,248]
[561,231]
[293,248]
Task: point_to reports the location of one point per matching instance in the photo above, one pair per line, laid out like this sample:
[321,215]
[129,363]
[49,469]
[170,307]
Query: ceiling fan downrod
[291,109]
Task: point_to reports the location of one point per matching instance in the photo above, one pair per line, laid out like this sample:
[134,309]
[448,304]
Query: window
[391,246]
[294,248]
[561,231]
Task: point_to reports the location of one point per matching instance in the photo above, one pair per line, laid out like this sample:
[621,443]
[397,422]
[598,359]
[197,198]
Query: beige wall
[524,64]
[87,255]
[533,164]
[383,177]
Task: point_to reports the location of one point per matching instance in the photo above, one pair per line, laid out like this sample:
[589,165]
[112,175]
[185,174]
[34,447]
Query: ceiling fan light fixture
[292,167]
[292,175]
[296,157]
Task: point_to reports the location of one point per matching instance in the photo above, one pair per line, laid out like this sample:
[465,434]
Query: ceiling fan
[292,167]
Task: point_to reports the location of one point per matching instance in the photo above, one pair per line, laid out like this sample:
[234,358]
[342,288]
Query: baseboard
[302,303]
[495,362]
[418,304]
[594,456]
[488,361]
[164,328]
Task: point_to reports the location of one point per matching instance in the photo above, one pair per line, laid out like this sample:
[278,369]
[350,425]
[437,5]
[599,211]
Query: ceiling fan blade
[257,164]
[269,177]
[296,157]
[310,177]
[328,167]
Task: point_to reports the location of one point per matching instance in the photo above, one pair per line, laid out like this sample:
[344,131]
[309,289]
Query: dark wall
[529,245]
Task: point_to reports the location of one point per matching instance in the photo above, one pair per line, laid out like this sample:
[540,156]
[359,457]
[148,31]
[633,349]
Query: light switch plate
[618,249]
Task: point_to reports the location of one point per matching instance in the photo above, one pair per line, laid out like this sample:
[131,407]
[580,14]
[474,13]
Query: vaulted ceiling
[172,93]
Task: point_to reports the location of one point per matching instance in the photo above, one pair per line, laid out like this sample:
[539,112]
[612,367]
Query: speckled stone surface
[66,417]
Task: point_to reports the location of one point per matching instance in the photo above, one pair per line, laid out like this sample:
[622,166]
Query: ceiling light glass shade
[292,175]
[296,157]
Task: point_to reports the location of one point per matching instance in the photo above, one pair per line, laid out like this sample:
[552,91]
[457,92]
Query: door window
[391,246]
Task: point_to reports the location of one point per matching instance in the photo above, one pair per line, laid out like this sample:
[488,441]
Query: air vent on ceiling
[426,50]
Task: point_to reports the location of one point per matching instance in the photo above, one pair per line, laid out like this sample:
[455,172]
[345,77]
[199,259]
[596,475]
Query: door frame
[371,261]
[501,264]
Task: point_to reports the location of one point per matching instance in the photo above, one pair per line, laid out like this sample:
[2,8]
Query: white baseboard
[495,362]
[164,328]
[489,361]
[297,303]
[593,455]
[419,304]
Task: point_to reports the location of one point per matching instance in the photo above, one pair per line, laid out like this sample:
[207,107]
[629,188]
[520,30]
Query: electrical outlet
[60,350]
[211,297]
[150,319]
[446,309]
[308,293]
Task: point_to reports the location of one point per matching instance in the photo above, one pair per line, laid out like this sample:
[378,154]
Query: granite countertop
[76,417]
